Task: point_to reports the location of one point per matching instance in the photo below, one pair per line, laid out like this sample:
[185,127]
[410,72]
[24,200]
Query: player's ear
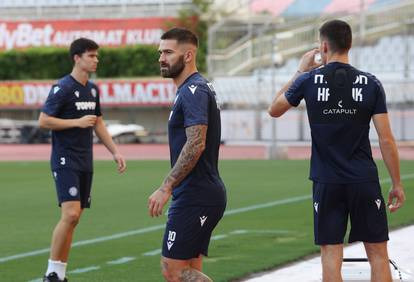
[325,46]
[76,58]
[188,56]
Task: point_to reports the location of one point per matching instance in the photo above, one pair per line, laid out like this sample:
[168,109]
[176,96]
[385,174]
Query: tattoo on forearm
[191,152]
[193,275]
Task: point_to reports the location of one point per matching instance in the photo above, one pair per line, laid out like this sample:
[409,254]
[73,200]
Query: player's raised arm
[280,104]
[103,135]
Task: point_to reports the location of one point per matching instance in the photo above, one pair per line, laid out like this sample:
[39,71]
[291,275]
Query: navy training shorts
[361,202]
[188,231]
[73,185]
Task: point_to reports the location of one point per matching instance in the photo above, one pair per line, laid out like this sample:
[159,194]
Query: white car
[127,133]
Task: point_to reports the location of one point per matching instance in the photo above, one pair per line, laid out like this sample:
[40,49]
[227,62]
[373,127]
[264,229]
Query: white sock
[58,267]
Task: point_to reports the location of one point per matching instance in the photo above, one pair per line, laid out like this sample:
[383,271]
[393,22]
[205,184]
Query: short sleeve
[295,93]
[98,103]
[54,102]
[380,104]
[194,101]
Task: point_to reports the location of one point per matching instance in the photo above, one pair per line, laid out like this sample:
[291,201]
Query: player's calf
[192,275]
[187,274]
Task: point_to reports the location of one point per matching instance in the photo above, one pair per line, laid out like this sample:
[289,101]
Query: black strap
[366,260]
[340,80]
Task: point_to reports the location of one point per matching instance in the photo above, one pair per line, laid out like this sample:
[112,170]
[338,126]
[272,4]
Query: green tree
[192,19]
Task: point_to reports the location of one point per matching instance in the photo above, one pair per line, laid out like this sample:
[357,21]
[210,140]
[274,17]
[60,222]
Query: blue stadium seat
[306,7]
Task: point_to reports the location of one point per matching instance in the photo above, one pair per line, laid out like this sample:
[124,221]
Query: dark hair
[82,45]
[182,35]
[338,34]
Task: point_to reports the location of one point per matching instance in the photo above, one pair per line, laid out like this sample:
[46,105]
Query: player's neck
[339,58]
[80,76]
[184,75]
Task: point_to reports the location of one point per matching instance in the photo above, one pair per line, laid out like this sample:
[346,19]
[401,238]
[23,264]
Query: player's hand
[119,159]
[396,198]
[307,62]
[87,121]
[158,199]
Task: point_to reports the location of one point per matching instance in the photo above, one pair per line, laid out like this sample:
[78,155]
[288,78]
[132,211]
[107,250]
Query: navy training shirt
[340,101]
[195,104]
[69,99]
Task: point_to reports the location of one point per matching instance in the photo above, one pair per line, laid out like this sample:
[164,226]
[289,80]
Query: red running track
[21,152]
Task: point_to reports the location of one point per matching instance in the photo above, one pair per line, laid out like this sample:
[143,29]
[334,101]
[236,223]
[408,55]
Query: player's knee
[167,275]
[170,274]
[378,261]
[377,252]
[72,217]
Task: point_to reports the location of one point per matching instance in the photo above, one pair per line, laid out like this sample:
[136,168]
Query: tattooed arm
[188,158]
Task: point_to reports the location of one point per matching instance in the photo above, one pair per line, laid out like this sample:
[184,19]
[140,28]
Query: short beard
[174,70]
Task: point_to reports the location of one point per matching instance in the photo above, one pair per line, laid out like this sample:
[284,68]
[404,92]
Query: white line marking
[161,226]
[87,242]
[218,237]
[222,236]
[268,205]
[121,260]
[83,270]
[213,238]
[119,235]
[403,177]
[152,253]
[24,255]
[244,231]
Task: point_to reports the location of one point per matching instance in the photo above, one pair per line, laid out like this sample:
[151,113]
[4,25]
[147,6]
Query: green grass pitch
[253,239]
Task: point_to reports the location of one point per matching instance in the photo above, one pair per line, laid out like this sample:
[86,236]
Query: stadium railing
[289,39]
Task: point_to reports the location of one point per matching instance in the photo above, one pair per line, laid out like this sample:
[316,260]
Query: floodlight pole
[273,148]
[362,21]
[162,7]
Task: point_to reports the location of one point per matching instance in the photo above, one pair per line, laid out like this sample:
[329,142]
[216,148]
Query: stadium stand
[80,9]
[304,7]
[391,67]
[350,6]
[56,3]
[274,7]
[253,52]
[289,37]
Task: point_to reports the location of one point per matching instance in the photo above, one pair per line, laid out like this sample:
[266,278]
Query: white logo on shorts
[203,219]
[169,244]
[171,239]
[55,174]
[73,191]
[378,202]
[315,205]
